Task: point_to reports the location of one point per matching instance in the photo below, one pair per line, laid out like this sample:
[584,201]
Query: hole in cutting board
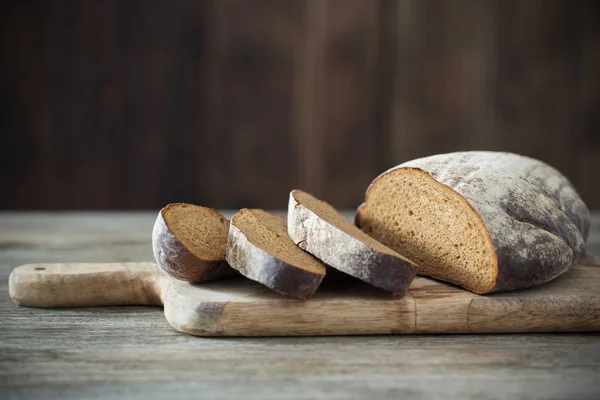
[40,268]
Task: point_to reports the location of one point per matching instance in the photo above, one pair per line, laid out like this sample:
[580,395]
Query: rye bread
[317,227]
[189,241]
[487,221]
[259,248]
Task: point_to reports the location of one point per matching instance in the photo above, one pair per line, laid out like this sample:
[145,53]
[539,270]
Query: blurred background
[231,103]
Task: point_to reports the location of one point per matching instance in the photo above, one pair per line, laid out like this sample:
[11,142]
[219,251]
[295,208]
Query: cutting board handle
[86,284]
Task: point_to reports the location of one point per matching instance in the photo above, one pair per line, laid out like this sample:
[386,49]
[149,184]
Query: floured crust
[345,252]
[258,264]
[181,263]
[536,221]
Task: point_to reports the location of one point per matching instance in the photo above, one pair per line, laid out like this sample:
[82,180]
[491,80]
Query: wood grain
[239,307]
[86,285]
[438,304]
[94,92]
[132,352]
[232,103]
[497,75]
[251,55]
[348,101]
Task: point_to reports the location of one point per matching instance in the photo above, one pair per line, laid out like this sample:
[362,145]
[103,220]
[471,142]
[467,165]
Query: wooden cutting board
[239,307]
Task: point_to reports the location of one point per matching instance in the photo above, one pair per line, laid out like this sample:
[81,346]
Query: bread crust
[536,221]
[178,261]
[257,264]
[346,253]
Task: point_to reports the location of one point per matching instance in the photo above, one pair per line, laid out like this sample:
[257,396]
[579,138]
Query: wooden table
[132,351]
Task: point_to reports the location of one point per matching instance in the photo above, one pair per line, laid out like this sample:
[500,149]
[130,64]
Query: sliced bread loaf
[189,241]
[315,226]
[486,221]
[259,248]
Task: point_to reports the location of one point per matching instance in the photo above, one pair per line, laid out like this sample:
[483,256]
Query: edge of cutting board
[242,308]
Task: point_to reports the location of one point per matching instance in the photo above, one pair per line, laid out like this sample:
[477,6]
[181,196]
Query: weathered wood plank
[240,307]
[133,352]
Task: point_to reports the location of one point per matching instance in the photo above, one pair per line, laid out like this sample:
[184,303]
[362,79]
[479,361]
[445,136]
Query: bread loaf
[318,228]
[189,241]
[486,221]
[259,248]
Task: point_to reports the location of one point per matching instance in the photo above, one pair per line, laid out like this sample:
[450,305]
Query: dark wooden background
[231,103]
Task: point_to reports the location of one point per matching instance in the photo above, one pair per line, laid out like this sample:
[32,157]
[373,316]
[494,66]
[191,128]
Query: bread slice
[486,221]
[318,228]
[260,249]
[189,241]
